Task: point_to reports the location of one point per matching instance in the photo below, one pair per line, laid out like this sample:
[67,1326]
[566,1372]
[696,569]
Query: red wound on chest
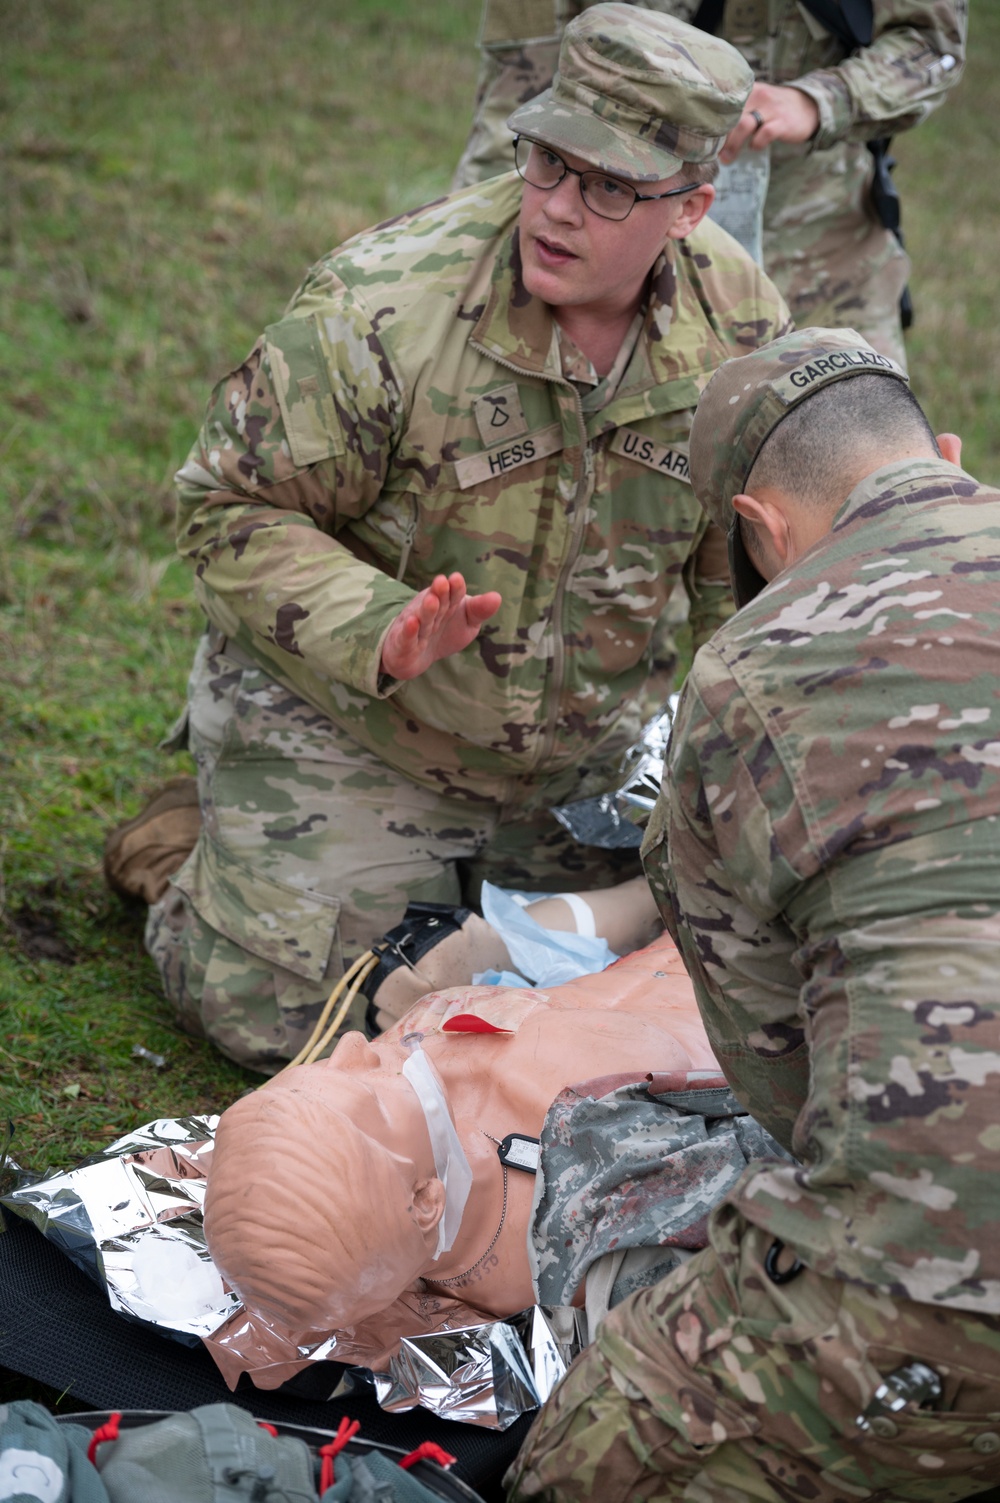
[467,1022]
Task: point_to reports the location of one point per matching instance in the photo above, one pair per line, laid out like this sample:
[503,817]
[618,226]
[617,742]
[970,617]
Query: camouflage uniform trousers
[719,1386]
[835,265]
[311,848]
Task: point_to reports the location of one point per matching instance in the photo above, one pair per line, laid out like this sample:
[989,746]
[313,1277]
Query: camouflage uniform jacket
[826,854]
[409,417]
[889,86]
[823,244]
[915,57]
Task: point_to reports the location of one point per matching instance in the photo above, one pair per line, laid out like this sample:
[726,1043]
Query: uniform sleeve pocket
[302,384]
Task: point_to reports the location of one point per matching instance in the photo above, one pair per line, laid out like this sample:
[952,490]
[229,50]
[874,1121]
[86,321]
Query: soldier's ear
[951,447]
[428,1204]
[696,206]
[773,530]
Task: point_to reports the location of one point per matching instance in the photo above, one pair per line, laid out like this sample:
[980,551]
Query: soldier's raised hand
[441,620]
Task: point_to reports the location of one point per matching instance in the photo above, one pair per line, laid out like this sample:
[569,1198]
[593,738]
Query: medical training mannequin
[327,1200]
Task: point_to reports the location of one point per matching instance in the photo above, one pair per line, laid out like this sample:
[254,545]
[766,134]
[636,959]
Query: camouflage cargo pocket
[661,1342]
[956,1437]
[287,927]
[257,972]
[925,1457]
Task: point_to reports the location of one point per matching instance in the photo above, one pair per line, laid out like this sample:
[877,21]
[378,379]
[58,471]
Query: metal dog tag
[517,1151]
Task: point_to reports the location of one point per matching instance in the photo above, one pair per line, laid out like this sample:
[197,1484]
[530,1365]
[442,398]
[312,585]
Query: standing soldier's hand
[773,112]
[439,621]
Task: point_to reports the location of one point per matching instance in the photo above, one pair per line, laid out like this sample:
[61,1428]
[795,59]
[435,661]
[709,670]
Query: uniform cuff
[829,92]
[362,661]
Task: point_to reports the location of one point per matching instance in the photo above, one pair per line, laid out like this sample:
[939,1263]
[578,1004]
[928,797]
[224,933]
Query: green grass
[167,173]
[951,218]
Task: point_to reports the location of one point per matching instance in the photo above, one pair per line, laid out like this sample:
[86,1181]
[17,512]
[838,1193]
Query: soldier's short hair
[825,436]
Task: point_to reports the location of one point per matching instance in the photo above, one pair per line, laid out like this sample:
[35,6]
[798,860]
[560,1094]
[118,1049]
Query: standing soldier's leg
[824,249]
[519,47]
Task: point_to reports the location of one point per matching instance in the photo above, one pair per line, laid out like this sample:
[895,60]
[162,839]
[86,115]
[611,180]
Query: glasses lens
[607,196]
[537,165]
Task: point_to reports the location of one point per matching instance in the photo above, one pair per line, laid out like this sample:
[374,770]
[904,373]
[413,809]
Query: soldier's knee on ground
[257,1014]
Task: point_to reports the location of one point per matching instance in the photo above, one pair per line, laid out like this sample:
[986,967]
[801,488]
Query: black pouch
[422,926]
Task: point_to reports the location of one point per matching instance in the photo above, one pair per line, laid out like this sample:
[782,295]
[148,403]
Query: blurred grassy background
[951,211]
[167,173]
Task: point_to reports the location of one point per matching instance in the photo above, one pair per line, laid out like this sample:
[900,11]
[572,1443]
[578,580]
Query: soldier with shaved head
[825,852]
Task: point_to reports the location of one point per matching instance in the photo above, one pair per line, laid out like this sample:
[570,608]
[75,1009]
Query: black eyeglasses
[542,167]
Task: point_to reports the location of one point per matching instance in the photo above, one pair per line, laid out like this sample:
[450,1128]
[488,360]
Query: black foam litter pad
[57,1327]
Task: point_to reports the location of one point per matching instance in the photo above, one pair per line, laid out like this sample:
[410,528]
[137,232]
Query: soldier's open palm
[441,620]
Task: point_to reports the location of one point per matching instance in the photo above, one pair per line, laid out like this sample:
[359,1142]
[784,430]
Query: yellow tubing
[342,1011]
[317,1040]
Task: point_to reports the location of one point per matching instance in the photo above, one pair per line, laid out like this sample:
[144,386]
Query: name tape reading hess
[479,467]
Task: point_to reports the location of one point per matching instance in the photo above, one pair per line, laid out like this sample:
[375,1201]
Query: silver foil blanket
[131,1218]
[483,1374]
[604,821]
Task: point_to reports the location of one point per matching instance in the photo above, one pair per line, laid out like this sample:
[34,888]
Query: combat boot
[141,855]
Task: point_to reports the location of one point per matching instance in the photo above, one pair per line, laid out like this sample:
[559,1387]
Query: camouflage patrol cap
[638,94]
[742,405]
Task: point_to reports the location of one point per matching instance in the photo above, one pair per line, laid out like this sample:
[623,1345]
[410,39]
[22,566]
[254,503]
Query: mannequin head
[347,1225]
[327,1201]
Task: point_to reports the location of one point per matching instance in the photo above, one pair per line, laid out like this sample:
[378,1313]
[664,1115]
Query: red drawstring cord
[107,1431]
[428,1450]
[347,1431]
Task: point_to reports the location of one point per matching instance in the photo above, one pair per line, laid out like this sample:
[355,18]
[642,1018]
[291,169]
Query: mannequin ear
[428,1204]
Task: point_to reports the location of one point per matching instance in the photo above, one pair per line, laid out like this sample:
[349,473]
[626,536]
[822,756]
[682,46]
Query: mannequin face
[339,1234]
[368,1086]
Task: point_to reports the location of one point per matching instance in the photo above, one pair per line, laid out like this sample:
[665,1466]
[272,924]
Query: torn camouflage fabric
[623,1168]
